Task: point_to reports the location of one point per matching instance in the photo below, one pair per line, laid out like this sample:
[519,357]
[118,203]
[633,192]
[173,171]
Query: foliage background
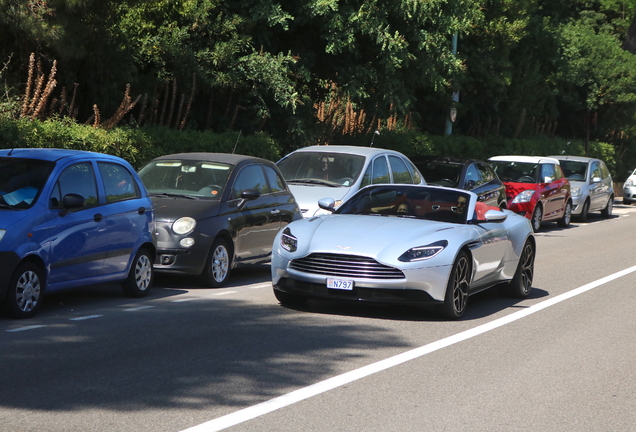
[141,78]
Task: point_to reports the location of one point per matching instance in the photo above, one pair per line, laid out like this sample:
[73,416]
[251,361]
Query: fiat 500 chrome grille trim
[346,266]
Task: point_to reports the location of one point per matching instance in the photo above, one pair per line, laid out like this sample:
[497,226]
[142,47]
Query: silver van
[592,188]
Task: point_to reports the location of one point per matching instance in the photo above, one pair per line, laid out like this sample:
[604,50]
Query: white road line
[137,308]
[271,405]
[182,300]
[24,328]
[85,317]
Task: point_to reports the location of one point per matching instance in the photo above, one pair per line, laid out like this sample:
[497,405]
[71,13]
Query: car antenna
[236,143]
[372,138]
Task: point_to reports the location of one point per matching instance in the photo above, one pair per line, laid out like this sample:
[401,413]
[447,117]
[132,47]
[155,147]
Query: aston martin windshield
[323,168]
[21,181]
[418,202]
[174,177]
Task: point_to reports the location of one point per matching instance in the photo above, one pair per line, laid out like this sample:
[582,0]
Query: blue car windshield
[22,180]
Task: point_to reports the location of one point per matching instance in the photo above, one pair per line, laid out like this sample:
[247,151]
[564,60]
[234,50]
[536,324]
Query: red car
[535,188]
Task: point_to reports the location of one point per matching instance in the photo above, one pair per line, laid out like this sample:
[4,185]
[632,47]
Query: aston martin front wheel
[521,283]
[456,297]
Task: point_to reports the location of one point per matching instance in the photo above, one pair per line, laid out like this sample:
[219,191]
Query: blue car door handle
[141,210]
[98,217]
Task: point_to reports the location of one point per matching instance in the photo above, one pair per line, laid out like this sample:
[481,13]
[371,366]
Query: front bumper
[629,194]
[173,258]
[422,285]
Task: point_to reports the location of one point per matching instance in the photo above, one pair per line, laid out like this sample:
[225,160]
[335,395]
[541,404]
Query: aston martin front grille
[346,266]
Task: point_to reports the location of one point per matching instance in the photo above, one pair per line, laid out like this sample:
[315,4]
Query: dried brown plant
[29,83]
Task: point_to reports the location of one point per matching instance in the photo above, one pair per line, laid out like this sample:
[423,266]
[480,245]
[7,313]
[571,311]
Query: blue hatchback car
[68,219]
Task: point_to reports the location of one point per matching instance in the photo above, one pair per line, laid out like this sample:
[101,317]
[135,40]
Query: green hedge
[139,145]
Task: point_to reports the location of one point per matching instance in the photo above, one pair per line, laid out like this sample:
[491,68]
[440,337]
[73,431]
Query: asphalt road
[207,359]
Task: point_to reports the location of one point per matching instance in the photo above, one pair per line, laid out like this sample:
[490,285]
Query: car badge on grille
[344,247]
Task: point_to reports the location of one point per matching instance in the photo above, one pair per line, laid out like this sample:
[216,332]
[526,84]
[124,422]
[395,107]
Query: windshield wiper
[174,195]
[314,181]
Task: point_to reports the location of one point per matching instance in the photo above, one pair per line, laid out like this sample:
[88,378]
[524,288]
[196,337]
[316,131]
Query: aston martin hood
[368,235]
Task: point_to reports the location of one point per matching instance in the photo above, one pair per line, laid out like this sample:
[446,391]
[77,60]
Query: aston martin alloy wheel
[456,297]
[521,284]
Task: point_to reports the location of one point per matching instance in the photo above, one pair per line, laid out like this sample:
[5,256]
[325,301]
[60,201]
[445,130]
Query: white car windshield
[324,168]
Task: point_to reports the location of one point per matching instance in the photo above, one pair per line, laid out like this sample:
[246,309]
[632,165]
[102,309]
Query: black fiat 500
[216,211]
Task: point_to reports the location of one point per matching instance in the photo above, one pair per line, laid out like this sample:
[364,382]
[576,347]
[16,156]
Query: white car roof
[358,150]
[526,159]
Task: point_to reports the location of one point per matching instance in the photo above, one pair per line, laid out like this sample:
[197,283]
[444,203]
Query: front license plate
[341,284]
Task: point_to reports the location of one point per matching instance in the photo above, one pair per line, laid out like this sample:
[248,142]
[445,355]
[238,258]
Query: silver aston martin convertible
[405,244]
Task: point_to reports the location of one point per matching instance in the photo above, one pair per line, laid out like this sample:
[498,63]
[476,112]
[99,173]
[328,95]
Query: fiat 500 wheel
[25,291]
[217,269]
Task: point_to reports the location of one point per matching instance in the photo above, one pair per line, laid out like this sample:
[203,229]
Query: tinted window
[486,173]
[250,177]
[400,172]
[276,183]
[119,183]
[77,179]
[472,176]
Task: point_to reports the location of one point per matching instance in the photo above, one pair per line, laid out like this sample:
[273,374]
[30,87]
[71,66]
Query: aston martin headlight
[523,197]
[184,225]
[576,192]
[423,252]
[288,241]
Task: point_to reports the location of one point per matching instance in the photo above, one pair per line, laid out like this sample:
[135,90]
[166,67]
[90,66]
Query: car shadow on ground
[480,305]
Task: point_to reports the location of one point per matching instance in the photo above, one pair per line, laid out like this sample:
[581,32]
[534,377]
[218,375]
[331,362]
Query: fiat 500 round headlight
[184,225]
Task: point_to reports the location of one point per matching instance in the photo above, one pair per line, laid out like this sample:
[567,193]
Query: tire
[25,291]
[456,297]
[537,215]
[287,299]
[564,222]
[584,211]
[607,211]
[140,276]
[521,283]
[217,269]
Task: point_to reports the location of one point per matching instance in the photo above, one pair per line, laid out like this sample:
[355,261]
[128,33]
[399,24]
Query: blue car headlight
[524,196]
[288,241]
[423,252]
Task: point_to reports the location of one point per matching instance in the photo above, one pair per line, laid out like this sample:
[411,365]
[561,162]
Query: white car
[629,189]
[338,172]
